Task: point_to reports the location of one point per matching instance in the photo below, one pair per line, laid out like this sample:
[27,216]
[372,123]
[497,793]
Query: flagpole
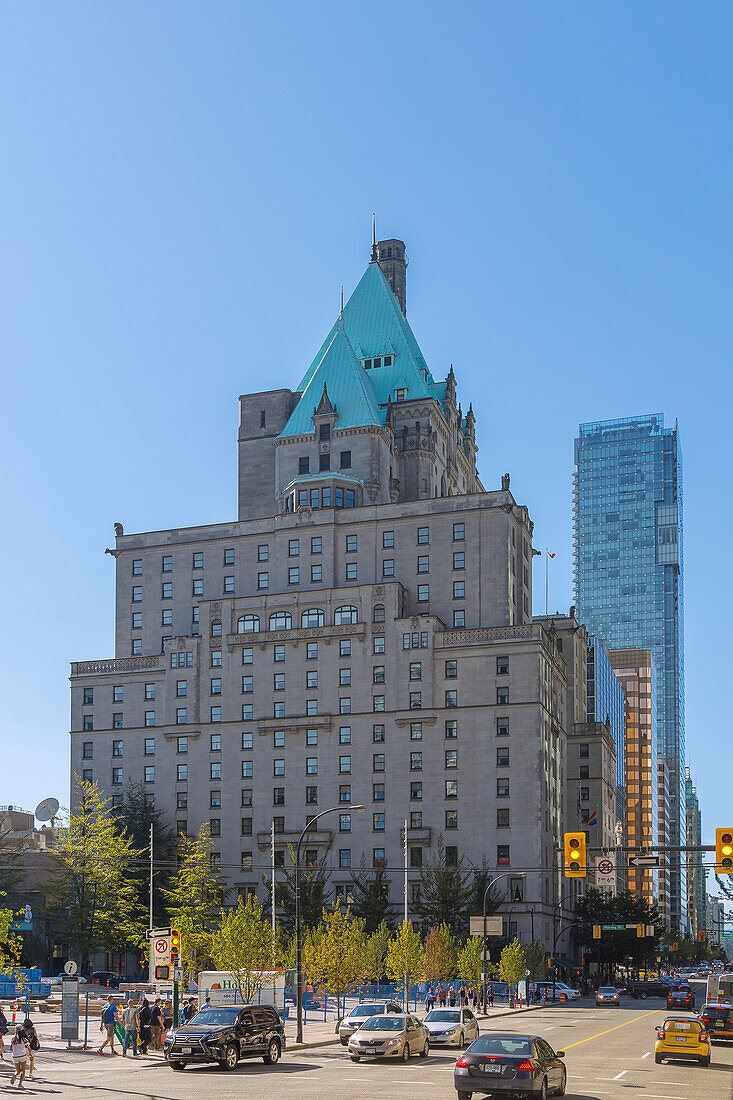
[547,582]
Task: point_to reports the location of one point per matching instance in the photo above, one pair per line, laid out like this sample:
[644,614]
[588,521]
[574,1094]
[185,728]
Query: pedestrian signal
[162,973]
[575,858]
[724,851]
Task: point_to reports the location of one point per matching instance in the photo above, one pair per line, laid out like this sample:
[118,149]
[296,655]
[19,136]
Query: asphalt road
[609,1052]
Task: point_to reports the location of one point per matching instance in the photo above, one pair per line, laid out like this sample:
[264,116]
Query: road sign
[493,926]
[643,861]
[70,1005]
[153,933]
[70,968]
[605,871]
[615,927]
[161,946]
[178,973]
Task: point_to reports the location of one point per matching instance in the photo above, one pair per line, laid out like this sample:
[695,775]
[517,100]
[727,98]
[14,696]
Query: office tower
[696,877]
[628,575]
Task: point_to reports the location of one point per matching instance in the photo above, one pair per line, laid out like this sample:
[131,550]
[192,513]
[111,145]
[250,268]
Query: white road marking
[621,1074]
[647,1054]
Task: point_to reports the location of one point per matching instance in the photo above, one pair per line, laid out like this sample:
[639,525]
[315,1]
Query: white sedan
[453,1027]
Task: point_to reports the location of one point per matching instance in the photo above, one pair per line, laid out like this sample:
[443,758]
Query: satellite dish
[47,810]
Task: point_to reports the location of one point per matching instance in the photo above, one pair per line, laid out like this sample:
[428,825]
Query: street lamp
[298,966]
[504,874]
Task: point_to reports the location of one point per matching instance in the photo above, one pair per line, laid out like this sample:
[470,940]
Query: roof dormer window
[367,364]
[400,394]
[387,360]
[377,363]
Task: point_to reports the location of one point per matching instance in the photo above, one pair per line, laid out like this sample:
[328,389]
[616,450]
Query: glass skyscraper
[628,574]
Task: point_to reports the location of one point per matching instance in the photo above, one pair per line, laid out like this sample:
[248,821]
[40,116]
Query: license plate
[186,1050]
[680,1039]
[370,1050]
[719,1023]
[489,1068]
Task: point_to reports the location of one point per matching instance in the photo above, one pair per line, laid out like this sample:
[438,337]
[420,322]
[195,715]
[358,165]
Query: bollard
[86,1019]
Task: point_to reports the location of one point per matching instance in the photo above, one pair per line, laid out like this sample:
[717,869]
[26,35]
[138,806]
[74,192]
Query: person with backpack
[156,1023]
[107,1023]
[20,1050]
[33,1043]
[144,1020]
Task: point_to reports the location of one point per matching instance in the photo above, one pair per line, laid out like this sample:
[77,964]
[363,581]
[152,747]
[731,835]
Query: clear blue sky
[185,187]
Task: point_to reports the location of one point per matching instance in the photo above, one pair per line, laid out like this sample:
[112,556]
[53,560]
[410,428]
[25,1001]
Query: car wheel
[462,1041]
[231,1057]
[543,1090]
[426,1048]
[273,1053]
[177,1065]
[465,1095]
[563,1084]
[658,1059]
[406,1053]
[705,1061]
[344,1042]
[355,1057]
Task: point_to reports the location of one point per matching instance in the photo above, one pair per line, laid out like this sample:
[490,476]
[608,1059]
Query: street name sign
[614,927]
[494,926]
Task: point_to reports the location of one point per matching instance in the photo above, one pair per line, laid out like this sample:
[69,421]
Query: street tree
[11,945]
[370,897]
[243,945]
[439,955]
[614,948]
[405,957]
[337,958]
[377,948]
[445,893]
[195,899]
[93,896]
[313,882]
[469,963]
[512,965]
[135,814]
[534,954]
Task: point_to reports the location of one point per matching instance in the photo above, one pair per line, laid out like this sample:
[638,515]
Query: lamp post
[504,874]
[298,964]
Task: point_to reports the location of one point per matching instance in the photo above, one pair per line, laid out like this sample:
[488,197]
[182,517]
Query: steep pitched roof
[340,376]
[376,326]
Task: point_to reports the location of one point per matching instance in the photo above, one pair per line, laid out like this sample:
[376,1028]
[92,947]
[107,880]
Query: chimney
[390,255]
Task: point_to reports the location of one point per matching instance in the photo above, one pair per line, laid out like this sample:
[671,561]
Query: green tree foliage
[377,948]
[337,958]
[469,962]
[243,946]
[135,814]
[194,899]
[596,907]
[440,955]
[93,894]
[445,894]
[482,876]
[405,957]
[370,898]
[313,883]
[11,945]
[513,964]
[534,954]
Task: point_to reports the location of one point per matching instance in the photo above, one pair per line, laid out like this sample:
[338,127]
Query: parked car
[608,995]
[453,1027]
[659,987]
[552,991]
[225,1033]
[353,1020]
[682,1037]
[390,1036]
[107,979]
[524,1065]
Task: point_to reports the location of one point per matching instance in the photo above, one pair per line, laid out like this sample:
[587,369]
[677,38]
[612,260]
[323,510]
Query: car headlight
[451,1031]
[393,1043]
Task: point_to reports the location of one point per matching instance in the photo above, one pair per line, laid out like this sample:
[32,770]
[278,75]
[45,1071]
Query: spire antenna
[341,310]
[374,237]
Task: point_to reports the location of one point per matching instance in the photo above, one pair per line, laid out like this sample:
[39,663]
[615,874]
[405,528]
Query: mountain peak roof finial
[374,237]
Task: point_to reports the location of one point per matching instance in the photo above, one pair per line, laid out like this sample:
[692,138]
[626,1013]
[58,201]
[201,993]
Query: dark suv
[658,988]
[226,1033]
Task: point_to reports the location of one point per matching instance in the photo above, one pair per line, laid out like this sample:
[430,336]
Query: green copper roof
[347,387]
[376,326]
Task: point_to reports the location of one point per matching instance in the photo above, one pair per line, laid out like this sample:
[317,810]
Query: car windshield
[681,1025]
[502,1044]
[606,989]
[441,1017]
[367,1010]
[384,1023]
[214,1017]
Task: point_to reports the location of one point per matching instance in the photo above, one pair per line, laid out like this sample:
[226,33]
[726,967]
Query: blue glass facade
[628,573]
[606,702]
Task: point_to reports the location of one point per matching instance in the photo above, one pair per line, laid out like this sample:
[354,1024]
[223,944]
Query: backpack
[108,1016]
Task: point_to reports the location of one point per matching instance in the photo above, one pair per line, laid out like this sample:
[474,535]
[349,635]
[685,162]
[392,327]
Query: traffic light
[701,935]
[175,946]
[596,931]
[575,859]
[640,931]
[724,851]
[675,946]
[162,973]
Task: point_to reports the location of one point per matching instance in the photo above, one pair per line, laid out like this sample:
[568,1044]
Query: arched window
[216,628]
[344,615]
[379,613]
[248,624]
[281,620]
[312,617]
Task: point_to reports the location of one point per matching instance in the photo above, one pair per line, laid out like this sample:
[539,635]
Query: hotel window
[415,792]
[316,573]
[247,826]
[502,788]
[263,580]
[311,651]
[215,769]
[378,674]
[198,560]
[311,796]
[149,746]
[459,560]
[313,616]
[263,552]
[137,567]
[345,735]
[345,792]
[303,465]
[117,722]
[344,823]
[584,794]
[584,752]
[149,717]
[216,658]
[451,758]
[137,647]
[378,859]
[247,739]
[278,767]
[229,556]
[378,615]
[451,729]
[216,686]
[400,394]
[167,590]
[502,666]
[311,765]
[459,618]
[278,681]
[247,797]
[502,695]
[388,567]
[459,532]
[415,670]
[379,644]
[87,750]
[149,773]
[345,857]
[293,548]
[415,761]
[118,694]
[423,593]
[228,584]
[351,571]
[117,777]
[181,744]
[324,432]
[345,647]
[451,856]
[459,590]
[378,822]
[451,819]
[423,534]
[345,764]
[294,575]
[584,771]
[88,723]
[317,545]
[278,739]
[215,826]
[502,854]
[246,769]
[378,759]
[451,698]
[378,733]
[415,700]
[416,731]
[346,460]
[137,620]
[248,624]
[311,737]
[87,775]
[423,563]
[416,819]
[324,463]
[378,792]
[311,678]
[247,684]
[387,540]
[311,708]
[137,594]
[166,617]
[415,857]
[502,756]
[247,861]
[278,654]
[502,728]
[247,712]
[216,714]
[377,703]
[451,788]
[451,670]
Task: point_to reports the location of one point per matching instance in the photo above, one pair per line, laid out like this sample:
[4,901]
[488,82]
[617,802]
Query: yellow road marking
[609,1030]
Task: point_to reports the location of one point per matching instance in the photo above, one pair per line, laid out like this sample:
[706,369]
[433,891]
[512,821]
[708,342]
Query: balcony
[116,665]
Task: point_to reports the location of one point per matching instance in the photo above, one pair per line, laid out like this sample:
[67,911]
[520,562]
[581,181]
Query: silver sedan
[452,1027]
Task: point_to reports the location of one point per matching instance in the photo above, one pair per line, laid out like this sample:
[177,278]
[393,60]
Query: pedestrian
[3,1032]
[156,1022]
[491,994]
[189,1010]
[463,996]
[143,1025]
[33,1042]
[471,996]
[107,1023]
[452,997]
[129,1022]
[167,1019]
[441,997]
[19,1050]
[429,1000]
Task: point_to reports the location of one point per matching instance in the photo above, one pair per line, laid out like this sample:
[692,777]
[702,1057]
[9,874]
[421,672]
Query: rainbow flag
[593,819]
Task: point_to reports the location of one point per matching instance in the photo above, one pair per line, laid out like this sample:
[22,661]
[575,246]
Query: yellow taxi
[682,1037]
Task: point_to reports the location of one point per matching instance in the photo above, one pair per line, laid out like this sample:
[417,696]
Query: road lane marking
[621,1074]
[609,1030]
[647,1054]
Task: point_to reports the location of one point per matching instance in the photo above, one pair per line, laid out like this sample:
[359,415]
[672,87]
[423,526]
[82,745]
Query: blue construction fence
[320,1006]
[28,984]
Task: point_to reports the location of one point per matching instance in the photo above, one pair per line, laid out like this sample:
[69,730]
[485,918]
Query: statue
[119,530]
[505,481]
